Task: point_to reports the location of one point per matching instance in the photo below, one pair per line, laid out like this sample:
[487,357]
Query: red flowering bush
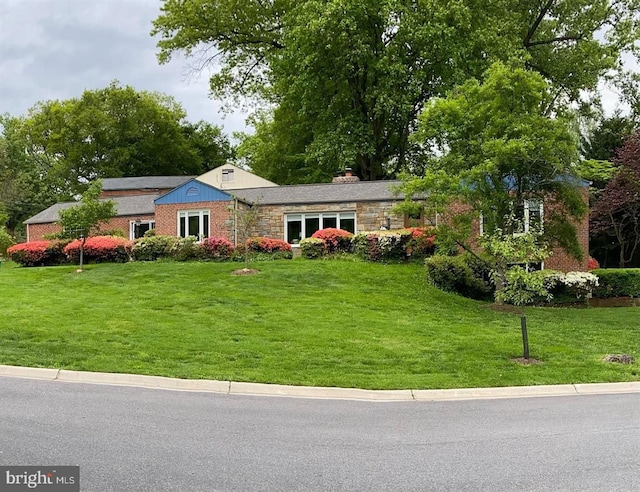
[38,253]
[265,248]
[100,249]
[267,245]
[593,263]
[422,242]
[335,240]
[216,248]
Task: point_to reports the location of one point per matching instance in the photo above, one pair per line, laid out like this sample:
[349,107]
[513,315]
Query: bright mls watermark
[40,478]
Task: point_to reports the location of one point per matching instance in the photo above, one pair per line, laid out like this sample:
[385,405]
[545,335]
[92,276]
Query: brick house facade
[290,213]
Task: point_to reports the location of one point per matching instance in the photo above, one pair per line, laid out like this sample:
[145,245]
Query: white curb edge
[258,389]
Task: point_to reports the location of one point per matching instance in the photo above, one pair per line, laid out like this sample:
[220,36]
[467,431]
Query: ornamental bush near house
[266,248]
[312,248]
[100,249]
[38,253]
[335,240]
[185,249]
[566,288]
[267,245]
[453,274]
[152,248]
[382,246]
[617,282]
[422,243]
[216,248]
[395,245]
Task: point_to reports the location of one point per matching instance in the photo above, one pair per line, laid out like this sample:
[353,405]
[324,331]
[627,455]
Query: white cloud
[57,49]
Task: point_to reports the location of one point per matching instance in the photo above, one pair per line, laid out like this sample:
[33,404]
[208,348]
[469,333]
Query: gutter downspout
[235,222]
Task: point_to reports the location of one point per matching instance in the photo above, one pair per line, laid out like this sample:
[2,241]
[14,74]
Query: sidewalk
[257,389]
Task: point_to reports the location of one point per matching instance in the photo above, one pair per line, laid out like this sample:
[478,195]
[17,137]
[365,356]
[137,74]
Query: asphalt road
[133,439]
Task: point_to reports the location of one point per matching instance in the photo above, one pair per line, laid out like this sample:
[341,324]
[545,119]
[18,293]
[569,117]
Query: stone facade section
[370,216]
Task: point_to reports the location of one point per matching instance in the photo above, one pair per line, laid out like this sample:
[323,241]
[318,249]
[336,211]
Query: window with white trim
[529,216]
[301,226]
[193,223]
[137,228]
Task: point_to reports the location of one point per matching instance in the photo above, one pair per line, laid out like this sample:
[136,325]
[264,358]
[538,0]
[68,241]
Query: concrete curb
[258,389]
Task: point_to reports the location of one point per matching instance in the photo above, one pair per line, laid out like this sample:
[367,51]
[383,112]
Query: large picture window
[193,223]
[301,226]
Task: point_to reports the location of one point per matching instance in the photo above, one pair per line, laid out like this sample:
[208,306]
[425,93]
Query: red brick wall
[560,259]
[36,232]
[220,219]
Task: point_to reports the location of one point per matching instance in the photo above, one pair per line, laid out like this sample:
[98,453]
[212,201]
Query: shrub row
[100,249]
[379,246]
[469,277]
[155,247]
[617,282]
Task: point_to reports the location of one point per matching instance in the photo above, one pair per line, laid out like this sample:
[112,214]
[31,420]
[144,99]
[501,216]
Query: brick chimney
[348,177]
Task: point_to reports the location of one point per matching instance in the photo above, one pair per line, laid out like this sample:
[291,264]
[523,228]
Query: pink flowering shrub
[335,240]
[38,253]
[100,249]
[267,245]
[216,248]
[593,264]
[265,248]
[422,242]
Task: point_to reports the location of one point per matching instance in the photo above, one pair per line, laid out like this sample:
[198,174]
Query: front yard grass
[324,323]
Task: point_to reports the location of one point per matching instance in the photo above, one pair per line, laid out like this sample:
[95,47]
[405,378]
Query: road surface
[134,439]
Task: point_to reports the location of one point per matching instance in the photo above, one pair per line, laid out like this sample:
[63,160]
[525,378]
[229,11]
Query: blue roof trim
[191,192]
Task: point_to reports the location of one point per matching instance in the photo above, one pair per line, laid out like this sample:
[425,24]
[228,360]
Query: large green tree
[495,157]
[24,187]
[345,79]
[114,132]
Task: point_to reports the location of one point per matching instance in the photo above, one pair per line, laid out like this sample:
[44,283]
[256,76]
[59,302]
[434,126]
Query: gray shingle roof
[363,191]
[144,182]
[125,205]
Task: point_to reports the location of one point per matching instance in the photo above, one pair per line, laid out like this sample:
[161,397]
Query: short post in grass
[523,288]
[525,335]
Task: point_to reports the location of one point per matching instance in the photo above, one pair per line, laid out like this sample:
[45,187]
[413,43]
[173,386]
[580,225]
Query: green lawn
[326,323]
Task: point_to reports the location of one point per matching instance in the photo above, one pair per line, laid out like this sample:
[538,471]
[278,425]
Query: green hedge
[617,282]
[455,274]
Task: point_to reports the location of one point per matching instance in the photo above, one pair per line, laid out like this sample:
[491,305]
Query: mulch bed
[526,362]
[615,302]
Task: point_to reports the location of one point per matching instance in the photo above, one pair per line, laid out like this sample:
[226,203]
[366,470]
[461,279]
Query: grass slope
[327,323]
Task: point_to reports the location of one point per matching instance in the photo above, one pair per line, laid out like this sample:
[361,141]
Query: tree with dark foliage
[616,215]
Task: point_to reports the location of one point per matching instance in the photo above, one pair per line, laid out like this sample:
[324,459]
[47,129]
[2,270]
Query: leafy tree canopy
[347,78]
[493,147]
[115,132]
[23,190]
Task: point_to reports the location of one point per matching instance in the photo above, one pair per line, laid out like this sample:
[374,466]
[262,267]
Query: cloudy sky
[55,49]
